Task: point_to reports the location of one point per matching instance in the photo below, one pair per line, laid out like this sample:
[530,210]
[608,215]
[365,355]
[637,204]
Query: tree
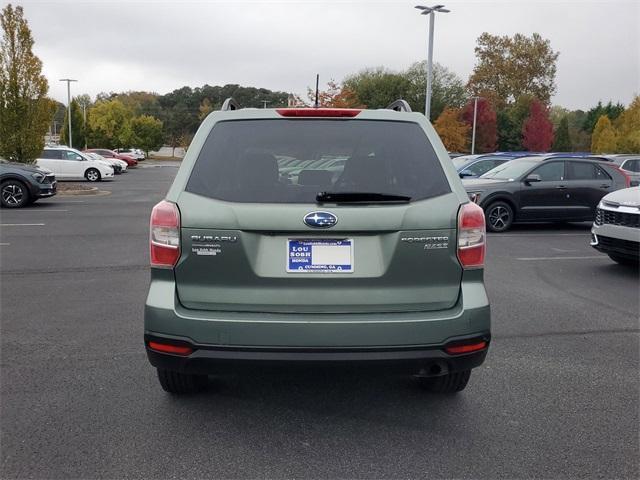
[508,67]
[593,115]
[147,132]
[510,121]
[378,87]
[176,127]
[25,110]
[108,123]
[447,89]
[453,132]
[78,133]
[628,127]
[537,130]
[335,96]
[604,138]
[562,141]
[205,109]
[486,125]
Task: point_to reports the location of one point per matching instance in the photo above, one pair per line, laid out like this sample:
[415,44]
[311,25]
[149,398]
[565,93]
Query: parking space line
[4,244]
[21,224]
[38,210]
[532,259]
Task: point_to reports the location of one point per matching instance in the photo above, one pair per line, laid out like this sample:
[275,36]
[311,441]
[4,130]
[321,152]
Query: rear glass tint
[290,161]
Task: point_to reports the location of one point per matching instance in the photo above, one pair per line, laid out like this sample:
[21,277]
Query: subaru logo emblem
[320,219]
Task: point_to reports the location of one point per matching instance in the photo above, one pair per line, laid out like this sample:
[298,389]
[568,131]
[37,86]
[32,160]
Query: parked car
[472,166]
[543,189]
[119,166]
[132,152]
[383,265]
[22,184]
[616,229]
[630,164]
[70,164]
[131,162]
[112,162]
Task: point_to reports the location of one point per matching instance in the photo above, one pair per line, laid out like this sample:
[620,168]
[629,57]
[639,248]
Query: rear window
[290,161]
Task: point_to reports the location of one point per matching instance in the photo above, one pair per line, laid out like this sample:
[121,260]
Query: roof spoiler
[399,106]
[230,104]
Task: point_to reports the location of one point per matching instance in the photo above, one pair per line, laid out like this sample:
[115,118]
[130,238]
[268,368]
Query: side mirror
[533,178]
[465,173]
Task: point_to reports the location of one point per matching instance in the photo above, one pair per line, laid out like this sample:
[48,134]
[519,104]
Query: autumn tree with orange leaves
[453,132]
[335,96]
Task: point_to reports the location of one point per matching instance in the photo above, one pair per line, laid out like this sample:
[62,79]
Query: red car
[131,162]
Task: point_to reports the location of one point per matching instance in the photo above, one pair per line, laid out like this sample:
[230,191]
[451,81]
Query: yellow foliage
[628,128]
[604,138]
[453,132]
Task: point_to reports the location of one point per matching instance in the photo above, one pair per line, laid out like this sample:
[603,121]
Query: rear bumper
[211,359]
[397,338]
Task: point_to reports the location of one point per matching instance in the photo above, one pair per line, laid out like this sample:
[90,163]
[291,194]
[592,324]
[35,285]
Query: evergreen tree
[562,142]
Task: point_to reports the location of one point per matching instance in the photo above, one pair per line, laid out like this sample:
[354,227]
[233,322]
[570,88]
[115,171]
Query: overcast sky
[159,46]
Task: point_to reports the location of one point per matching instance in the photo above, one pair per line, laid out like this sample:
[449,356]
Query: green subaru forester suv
[317,235]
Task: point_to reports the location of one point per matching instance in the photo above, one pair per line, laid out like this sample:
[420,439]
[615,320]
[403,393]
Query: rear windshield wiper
[360,197]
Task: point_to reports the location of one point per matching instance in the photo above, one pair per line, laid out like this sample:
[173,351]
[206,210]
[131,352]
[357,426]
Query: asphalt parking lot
[557,397]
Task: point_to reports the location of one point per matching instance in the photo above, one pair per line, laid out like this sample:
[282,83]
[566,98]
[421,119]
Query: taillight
[168,348]
[627,177]
[318,112]
[164,235]
[459,349]
[471,236]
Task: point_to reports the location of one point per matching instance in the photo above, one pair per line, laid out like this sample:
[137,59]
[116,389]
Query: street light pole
[84,123]
[431,11]
[69,80]
[475,116]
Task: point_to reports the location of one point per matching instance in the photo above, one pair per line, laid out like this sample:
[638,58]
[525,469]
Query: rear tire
[181,383]
[499,217]
[450,383]
[14,194]
[92,174]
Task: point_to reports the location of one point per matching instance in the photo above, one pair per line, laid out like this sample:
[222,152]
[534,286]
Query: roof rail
[230,104]
[399,106]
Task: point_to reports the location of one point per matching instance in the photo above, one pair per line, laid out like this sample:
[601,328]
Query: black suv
[22,184]
[544,189]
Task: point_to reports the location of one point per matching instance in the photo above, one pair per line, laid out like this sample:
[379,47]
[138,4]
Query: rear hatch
[376,234]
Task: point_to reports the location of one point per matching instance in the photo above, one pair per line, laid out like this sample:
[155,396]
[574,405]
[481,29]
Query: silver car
[616,229]
[630,164]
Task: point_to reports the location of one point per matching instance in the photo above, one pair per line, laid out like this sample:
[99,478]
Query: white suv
[616,229]
[70,164]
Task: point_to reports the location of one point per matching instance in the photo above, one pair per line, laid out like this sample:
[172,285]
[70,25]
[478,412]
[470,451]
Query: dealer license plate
[320,255]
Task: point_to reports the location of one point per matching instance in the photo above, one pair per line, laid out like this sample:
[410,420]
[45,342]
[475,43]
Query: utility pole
[84,123]
[475,116]
[69,80]
[431,11]
[264,103]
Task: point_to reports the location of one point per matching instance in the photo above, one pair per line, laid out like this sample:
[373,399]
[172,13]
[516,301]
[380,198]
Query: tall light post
[431,11]
[475,116]
[69,80]
[84,122]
